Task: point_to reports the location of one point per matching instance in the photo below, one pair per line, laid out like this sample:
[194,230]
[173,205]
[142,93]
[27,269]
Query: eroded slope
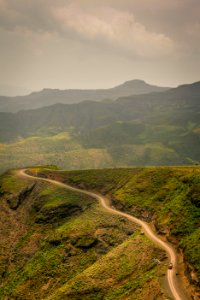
[56,243]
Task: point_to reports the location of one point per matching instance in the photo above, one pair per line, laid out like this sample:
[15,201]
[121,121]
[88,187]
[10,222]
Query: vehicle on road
[170,266]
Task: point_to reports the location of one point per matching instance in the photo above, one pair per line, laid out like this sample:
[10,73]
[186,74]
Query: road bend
[171,273]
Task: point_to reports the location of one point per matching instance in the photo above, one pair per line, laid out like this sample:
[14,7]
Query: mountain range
[159,128]
[48,97]
[58,243]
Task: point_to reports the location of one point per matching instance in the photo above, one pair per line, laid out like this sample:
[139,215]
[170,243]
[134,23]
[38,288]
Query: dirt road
[171,273]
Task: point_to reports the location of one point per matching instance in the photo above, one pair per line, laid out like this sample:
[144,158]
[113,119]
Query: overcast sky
[97,43]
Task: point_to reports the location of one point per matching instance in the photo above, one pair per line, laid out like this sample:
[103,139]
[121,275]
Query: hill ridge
[49,96]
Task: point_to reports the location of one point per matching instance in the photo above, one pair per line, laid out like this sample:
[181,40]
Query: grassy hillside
[59,149]
[151,129]
[168,196]
[178,107]
[118,145]
[59,244]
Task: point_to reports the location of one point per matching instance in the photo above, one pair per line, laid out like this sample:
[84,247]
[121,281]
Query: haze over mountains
[48,97]
[159,128]
[99,169]
[177,106]
[64,238]
[12,91]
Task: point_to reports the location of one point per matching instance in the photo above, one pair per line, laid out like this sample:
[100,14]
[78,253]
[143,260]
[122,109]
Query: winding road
[171,273]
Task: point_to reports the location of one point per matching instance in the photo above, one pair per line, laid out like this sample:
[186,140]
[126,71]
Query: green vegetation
[120,273]
[59,149]
[156,129]
[11,184]
[55,241]
[168,196]
[117,145]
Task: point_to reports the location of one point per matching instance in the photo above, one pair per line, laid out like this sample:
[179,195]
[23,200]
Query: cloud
[99,25]
[114,27]
[26,14]
[138,29]
[88,42]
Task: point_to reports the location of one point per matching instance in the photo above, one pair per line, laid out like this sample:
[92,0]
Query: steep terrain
[176,107]
[153,129]
[48,97]
[55,243]
[60,149]
[167,197]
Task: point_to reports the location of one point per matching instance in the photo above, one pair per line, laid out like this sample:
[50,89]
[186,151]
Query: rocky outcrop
[14,201]
[84,242]
[56,213]
[191,275]
[160,228]
[145,214]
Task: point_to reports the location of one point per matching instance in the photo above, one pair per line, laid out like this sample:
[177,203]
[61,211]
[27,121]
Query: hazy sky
[97,43]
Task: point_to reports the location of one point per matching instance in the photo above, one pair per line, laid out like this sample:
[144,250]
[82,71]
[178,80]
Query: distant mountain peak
[135,81]
[47,96]
[138,86]
[190,85]
[188,88]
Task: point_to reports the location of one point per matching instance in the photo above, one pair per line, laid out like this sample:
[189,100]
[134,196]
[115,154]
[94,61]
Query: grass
[45,257]
[191,246]
[11,184]
[59,149]
[90,253]
[167,195]
[119,273]
[58,196]
[120,144]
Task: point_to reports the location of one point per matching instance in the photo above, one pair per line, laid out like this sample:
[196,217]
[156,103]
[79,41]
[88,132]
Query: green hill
[152,129]
[179,107]
[169,197]
[57,244]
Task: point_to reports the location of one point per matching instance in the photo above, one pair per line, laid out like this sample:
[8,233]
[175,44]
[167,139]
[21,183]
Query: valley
[172,270]
[140,152]
[167,197]
[70,229]
[99,150]
[155,129]
[58,239]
